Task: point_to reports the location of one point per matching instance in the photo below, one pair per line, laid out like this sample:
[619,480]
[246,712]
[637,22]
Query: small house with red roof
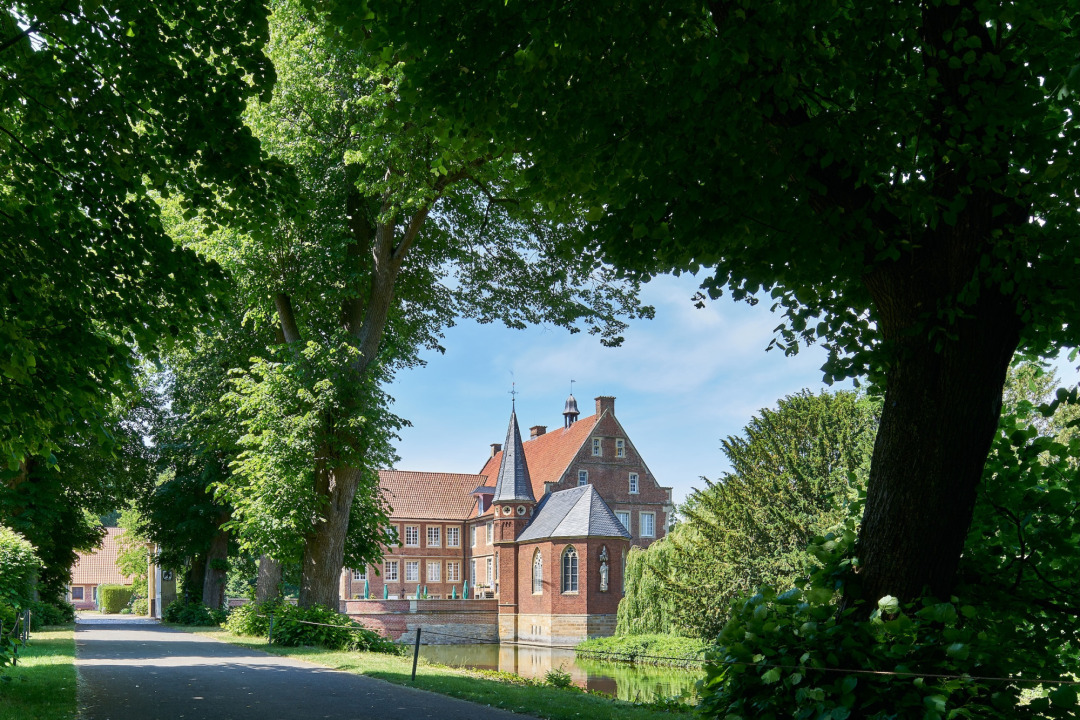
[543,528]
[96,568]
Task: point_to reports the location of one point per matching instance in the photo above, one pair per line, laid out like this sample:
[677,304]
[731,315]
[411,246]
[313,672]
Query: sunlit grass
[501,690]
[42,685]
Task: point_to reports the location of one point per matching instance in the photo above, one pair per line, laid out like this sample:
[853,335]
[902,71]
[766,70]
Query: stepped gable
[575,513]
[513,483]
[547,456]
[429,495]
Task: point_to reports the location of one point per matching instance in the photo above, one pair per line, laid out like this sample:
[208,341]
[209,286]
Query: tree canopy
[896,177]
[101,103]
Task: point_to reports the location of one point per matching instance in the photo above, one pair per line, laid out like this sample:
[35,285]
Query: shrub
[140,606]
[193,613]
[113,598]
[47,613]
[19,566]
[558,677]
[291,627]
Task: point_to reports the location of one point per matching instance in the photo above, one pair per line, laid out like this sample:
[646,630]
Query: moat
[636,683]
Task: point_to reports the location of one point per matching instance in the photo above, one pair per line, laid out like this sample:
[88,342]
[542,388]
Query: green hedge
[193,613]
[44,613]
[19,566]
[113,598]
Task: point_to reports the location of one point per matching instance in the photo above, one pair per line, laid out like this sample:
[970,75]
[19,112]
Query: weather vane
[513,389]
[572,386]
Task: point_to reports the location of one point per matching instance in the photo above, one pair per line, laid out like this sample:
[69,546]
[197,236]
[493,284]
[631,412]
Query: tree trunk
[324,547]
[269,583]
[942,405]
[217,569]
[194,579]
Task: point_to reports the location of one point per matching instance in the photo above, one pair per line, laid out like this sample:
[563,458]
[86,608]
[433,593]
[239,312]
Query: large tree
[100,103]
[899,177]
[404,224]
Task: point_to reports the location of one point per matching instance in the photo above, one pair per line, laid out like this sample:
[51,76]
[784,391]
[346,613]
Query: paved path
[134,668]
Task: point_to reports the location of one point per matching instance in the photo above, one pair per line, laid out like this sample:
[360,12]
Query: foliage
[49,613]
[19,567]
[185,612]
[133,558]
[102,104]
[889,176]
[140,606]
[292,628]
[558,677]
[113,598]
[643,649]
[793,654]
[794,470]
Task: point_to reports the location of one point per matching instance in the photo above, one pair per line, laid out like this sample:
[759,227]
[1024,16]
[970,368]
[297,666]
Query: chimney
[496,448]
[536,431]
[605,402]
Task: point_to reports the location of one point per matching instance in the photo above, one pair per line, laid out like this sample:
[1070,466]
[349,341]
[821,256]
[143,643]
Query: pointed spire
[513,483]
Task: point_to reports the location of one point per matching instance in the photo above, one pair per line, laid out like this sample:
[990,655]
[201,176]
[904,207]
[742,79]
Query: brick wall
[441,622]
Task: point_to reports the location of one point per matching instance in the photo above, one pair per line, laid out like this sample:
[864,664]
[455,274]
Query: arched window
[538,572]
[569,569]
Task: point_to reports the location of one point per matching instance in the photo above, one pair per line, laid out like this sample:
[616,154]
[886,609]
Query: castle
[543,528]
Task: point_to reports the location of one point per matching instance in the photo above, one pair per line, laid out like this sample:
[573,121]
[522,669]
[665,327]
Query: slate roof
[549,455]
[575,513]
[99,567]
[429,495]
[513,482]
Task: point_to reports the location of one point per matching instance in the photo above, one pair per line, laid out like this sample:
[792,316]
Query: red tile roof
[99,567]
[549,455]
[429,495]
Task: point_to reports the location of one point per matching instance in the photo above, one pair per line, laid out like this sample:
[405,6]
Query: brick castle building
[543,528]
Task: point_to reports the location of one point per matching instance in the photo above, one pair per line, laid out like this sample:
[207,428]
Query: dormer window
[596,449]
[582,477]
[620,448]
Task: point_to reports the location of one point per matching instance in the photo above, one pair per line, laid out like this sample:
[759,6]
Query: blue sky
[682,381]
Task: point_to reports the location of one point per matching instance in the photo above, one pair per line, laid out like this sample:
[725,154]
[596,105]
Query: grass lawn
[42,685]
[500,690]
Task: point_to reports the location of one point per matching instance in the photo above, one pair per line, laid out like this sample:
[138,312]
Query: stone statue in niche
[603,569]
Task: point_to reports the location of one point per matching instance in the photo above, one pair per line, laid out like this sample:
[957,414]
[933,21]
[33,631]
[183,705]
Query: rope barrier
[804,668]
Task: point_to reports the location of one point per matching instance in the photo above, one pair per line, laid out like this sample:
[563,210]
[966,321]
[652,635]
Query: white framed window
[390,571]
[472,572]
[392,537]
[582,477]
[538,572]
[624,518]
[490,532]
[434,536]
[569,570]
[453,571]
[489,577]
[412,536]
[434,571]
[472,532]
[633,483]
[360,575]
[412,571]
[597,450]
[453,537]
[620,447]
[647,524]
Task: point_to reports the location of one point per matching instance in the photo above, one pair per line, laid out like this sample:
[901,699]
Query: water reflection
[641,683]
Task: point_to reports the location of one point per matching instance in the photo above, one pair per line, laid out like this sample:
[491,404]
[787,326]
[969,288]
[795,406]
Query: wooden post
[416,653]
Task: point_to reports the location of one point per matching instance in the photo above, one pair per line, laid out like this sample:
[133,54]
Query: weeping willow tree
[794,469]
